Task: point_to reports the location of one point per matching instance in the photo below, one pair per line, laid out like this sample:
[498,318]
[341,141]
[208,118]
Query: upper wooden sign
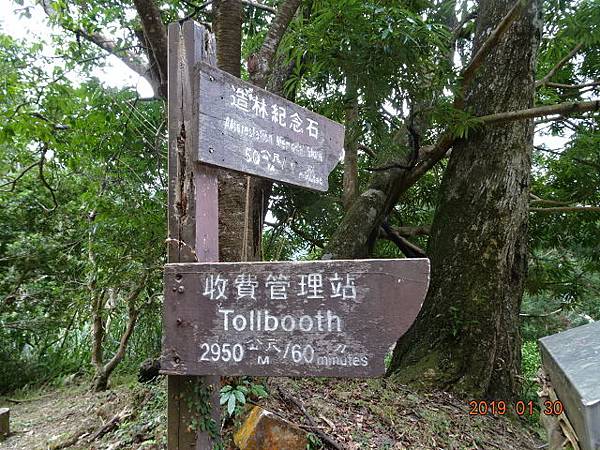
[314,318]
[248,129]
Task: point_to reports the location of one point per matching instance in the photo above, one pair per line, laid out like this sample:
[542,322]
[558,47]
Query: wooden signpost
[313,318]
[248,129]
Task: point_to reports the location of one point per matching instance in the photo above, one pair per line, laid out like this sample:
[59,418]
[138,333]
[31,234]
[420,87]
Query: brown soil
[379,414]
[358,414]
[64,417]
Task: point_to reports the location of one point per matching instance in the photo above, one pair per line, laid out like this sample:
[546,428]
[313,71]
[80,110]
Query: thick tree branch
[155,33]
[458,29]
[422,230]
[133,314]
[389,183]
[110,46]
[313,241]
[350,178]
[409,249]
[262,65]
[558,66]
[228,32]
[368,150]
[541,201]
[430,155]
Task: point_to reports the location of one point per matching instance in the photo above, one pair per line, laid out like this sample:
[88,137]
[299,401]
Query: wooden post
[192,217]
[4,422]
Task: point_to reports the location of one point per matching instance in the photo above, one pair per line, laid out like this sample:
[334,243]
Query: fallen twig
[72,440]
[313,425]
[111,424]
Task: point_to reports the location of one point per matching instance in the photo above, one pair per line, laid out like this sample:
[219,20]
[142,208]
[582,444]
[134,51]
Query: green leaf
[239,395]
[231,405]
[259,391]
[224,397]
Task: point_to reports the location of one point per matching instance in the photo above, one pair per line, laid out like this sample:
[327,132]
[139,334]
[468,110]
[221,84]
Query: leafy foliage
[83,195]
[234,396]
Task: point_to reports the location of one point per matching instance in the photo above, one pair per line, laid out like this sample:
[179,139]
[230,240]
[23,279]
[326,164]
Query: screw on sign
[314,318]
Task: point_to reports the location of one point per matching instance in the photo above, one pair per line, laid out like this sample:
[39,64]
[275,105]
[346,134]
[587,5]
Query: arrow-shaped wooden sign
[312,318]
[248,129]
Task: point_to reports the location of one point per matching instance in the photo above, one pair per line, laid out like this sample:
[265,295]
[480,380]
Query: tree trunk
[240,196]
[467,335]
[228,33]
[97,327]
[100,381]
[104,372]
[350,181]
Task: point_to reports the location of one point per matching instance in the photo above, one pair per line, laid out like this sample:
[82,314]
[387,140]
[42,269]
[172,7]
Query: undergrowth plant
[235,396]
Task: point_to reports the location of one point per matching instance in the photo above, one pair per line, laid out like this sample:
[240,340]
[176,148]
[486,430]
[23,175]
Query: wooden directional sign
[315,318]
[248,129]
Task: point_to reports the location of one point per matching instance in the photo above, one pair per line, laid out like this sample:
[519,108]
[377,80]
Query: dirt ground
[356,414]
[380,414]
[49,419]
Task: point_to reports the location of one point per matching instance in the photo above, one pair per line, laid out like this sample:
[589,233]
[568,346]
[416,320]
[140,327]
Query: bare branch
[558,65]
[317,430]
[23,172]
[573,86]
[564,209]
[260,6]
[541,315]
[262,64]
[575,159]
[106,44]
[560,108]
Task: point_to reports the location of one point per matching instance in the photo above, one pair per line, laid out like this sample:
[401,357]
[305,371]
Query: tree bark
[242,198]
[467,335]
[350,181]
[239,219]
[97,328]
[285,13]
[156,37]
[104,371]
[229,36]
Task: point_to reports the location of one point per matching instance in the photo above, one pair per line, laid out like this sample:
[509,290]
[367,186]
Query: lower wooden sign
[334,318]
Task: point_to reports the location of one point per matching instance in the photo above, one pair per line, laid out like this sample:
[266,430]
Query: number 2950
[222,352]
